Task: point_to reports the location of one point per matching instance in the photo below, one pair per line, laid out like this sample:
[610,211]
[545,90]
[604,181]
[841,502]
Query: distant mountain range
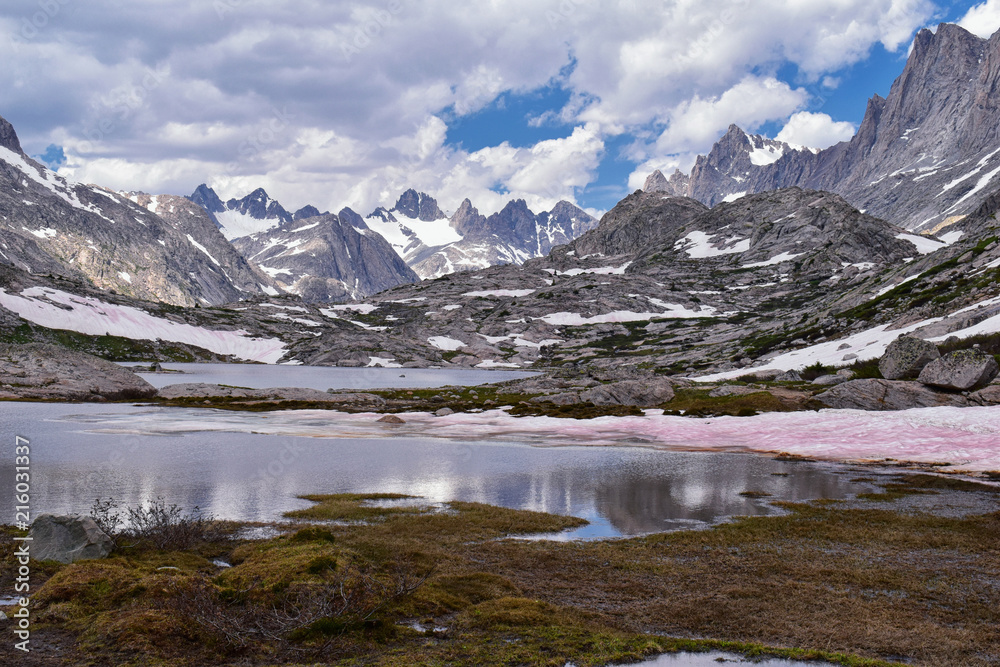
[430,243]
[923,157]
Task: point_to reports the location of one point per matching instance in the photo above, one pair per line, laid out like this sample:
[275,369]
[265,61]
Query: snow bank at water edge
[966,438]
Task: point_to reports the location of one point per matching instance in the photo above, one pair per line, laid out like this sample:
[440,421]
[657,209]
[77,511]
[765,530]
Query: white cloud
[815,130]
[371,86]
[983,19]
[753,101]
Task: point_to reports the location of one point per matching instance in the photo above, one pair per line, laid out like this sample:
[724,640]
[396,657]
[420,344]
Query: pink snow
[966,438]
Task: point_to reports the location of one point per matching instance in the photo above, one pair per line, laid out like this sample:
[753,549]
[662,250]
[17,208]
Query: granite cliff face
[54,226]
[325,259]
[924,155]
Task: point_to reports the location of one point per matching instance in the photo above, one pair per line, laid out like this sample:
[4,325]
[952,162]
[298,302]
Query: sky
[350,103]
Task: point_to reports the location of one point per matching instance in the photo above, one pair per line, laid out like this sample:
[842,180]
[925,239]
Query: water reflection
[247,476]
[716,659]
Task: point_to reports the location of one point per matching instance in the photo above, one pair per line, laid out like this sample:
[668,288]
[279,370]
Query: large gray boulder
[962,370]
[638,393]
[906,357]
[46,372]
[872,394]
[67,539]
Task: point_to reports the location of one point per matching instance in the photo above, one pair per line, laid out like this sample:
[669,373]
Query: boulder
[444,412]
[733,390]
[829,380]
[638,393]
[872,394]
[67,539]
[962,370]
[789,376]
[988,396]
[48,372]
[906,357]
[391,419]
[564,398]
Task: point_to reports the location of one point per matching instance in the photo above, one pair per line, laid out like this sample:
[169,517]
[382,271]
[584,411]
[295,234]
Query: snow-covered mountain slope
[326,259]
[414,227]
[511,236]
[51,225]
[923,157]
[252,214]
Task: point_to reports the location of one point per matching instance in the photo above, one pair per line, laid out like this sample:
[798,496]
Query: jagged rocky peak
[306,212]
[418,205]
[206,197]
[260,206]
[467,218]
[8,137]
[350,217]
[656,182]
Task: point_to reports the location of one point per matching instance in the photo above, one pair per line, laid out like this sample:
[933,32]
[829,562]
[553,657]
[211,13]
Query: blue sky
[350,103]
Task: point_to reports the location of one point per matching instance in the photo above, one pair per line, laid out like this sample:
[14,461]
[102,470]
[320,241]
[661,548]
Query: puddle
[717,659]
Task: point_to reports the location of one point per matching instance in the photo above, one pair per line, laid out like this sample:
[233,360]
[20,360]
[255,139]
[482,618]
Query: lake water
[251,466]
[716,659]
[325,377]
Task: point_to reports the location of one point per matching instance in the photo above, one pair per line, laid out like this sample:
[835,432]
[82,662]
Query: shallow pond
[324,377]
[716,659]
[221,462]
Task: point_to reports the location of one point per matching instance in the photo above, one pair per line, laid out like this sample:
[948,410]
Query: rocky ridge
[85,233]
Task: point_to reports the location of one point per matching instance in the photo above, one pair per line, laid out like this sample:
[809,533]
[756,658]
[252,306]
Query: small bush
[154,525]
[810,373]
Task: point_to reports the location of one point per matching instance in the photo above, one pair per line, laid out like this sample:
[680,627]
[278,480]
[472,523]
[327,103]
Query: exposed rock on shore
[874,394]
[248,397]
[46,372]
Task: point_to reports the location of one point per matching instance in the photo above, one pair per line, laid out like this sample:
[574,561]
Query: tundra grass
[861,587]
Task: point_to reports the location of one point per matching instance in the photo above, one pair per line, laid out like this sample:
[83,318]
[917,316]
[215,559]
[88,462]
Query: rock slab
[67,539]
[47,372]
[962,370]
[906,357]
[637,393]
[871,394]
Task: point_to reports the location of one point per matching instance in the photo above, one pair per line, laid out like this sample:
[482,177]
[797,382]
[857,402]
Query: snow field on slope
[698,245]
[97,318]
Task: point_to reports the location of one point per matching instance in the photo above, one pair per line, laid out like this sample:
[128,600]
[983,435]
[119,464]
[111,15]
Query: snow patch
[777,259]
[96,318]
[501,292]
[699,245]
[445,343]
[925,244]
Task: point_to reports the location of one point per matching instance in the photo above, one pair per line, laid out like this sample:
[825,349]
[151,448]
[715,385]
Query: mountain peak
[418,205]
[8,137]
[206,197]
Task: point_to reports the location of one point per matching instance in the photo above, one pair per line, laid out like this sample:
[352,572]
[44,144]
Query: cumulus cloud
[348,103]
[815,130]
[983,19]
[753,101]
